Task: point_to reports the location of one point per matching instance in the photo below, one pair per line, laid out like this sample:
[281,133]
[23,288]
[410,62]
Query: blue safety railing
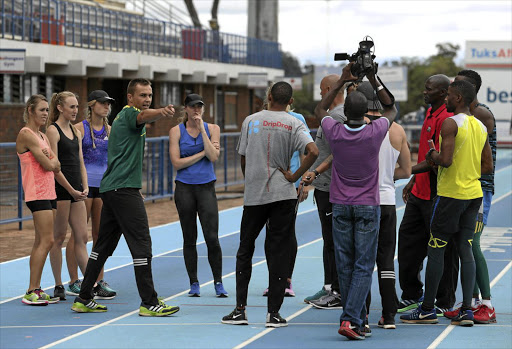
[93,27]
[157,180]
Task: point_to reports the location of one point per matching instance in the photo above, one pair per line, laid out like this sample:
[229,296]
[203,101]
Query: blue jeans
[355,233]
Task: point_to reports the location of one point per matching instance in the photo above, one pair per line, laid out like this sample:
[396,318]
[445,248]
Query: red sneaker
[451,314]
[485,315]
[349,331]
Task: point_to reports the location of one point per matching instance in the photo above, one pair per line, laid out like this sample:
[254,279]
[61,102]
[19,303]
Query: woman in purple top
[96,130]
[194,147]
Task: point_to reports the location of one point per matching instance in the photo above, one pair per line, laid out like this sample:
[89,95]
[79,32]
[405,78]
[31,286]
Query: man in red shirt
[414,232]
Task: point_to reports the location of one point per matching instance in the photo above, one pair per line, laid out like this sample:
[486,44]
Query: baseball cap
[193,99]
[367,89]
[100,96]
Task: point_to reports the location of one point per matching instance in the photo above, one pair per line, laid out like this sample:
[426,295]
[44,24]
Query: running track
[197,325]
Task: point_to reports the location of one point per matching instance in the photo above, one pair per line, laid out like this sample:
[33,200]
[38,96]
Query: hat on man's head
[193,99]
[100,96]
[367,89]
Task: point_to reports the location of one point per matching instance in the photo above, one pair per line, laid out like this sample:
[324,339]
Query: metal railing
[59,22]
[157,177]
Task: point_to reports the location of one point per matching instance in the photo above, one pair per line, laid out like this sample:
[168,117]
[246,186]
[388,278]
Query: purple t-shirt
[355,164]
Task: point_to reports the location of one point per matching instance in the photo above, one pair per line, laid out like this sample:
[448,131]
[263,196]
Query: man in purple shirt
[354,193]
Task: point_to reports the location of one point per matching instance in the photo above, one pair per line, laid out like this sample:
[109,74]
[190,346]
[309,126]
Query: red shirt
[430,130]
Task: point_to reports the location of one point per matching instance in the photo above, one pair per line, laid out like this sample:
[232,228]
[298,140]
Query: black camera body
[363,59]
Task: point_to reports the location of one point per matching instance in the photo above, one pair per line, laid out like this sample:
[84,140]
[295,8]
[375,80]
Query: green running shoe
[316,296]
[87,306]
[46,297]
[161,309]
[74,288]
[32,298]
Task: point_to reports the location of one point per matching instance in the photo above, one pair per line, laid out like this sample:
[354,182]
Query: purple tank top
[95,159]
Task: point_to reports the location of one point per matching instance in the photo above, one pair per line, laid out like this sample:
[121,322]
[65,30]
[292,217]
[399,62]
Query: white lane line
[158,255]
[166,299]
[268,330]
[450,328]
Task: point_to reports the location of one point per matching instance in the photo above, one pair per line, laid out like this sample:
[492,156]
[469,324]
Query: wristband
[316,174]
[429,153]
[380,88]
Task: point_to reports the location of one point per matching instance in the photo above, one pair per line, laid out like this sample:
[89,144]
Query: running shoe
[236,317]
[331,301]
[194,290]
[288,292]
[161,309]
[440,311]
[484,315]
[106,286]
[87,306]
[316,296]
[275,320]
[32,298]
[453,313]
[60,291]
[408,304]
[420,316]
[220,291]
[387,323]
[350,331]
[46,297]
[74,288]
[366,328]
[102,293]
[465,318]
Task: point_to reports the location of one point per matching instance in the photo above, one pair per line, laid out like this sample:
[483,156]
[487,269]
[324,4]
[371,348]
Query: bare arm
[26,141]
[150,115]
[404,160]
[386,98]
[242,164]
[309,160]
[487,163]
[83,171]
[309,176]
[174,151]
[445,156]
[485,117]
[211,146]
[321,108]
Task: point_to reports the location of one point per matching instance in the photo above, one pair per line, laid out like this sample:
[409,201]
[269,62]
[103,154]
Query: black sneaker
[366,328]
[387,323]
[59,291]
[102,293]
[331,301]
[236,317]
[275,320]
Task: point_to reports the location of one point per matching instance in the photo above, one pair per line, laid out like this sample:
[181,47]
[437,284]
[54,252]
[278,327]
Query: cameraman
[354,193]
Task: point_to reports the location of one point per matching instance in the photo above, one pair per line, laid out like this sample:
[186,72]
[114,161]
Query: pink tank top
[38,183]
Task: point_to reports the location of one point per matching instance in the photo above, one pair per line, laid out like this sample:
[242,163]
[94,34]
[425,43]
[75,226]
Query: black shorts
[63,194]
[94,192]
[41,205]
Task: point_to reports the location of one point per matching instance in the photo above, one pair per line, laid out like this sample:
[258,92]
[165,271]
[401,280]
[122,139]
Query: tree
[419,71]
[291,65]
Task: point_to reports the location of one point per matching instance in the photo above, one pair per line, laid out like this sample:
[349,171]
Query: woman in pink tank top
[38,164]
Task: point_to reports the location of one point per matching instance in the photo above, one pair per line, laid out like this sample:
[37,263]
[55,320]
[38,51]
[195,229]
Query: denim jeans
[355,233]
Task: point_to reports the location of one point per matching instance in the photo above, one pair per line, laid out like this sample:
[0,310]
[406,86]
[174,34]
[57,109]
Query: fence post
[225,163]
[161,168]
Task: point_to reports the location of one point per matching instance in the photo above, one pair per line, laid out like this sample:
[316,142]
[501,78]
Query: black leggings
[193,200]
[452,221]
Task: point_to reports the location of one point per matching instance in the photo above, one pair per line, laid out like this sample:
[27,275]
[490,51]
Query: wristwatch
[316,174]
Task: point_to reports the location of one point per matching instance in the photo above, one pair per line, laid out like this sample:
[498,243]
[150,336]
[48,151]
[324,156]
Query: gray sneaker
[331,301]
[101,292]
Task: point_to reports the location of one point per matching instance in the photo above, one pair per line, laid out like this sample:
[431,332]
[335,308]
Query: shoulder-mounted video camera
[363,58]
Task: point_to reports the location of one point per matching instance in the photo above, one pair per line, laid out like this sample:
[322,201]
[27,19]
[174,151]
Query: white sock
[474,302]
[327,288]
[487,303]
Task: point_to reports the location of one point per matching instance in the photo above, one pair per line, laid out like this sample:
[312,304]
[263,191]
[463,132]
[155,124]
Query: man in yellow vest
[464,155]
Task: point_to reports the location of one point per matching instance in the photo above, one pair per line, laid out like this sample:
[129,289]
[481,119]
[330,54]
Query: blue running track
[197,325]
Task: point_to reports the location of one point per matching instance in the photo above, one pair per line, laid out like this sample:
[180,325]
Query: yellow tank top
[461,179]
